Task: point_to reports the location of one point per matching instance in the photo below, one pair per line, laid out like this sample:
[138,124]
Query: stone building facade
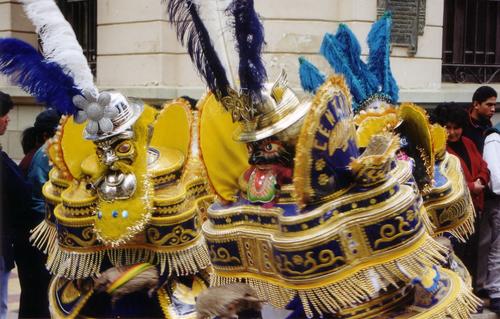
[137,51]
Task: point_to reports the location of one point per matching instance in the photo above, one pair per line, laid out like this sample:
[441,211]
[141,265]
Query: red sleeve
[470,186]
[482,173]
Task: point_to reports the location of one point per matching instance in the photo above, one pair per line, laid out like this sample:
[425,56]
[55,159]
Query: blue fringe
[184,16]
[310,77]
[379,41]
[46,81]
[249,34]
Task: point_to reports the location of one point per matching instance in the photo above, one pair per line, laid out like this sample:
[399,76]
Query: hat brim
[137,107]
[291,118]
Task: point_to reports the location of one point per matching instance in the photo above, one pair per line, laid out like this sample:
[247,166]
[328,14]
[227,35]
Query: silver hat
[108,114]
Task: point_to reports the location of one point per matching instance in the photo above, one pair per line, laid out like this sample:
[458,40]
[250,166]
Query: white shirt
[491,155]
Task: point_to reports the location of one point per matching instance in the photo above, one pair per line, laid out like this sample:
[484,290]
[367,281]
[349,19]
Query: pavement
[15,293]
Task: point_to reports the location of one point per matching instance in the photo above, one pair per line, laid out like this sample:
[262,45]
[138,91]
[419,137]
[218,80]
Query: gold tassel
[464,229]
[426,220]
[44,237]
[355,289]
[75,265]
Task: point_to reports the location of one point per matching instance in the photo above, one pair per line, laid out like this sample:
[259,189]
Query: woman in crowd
[474,168]
[35,136]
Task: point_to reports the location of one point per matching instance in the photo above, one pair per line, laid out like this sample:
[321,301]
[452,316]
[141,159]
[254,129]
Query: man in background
[13,205]
[482,109]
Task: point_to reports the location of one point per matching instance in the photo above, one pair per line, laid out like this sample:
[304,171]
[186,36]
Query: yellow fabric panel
[173,127]
[148,115]
[92,167]
[117,230]
[416,128]
[374,125]
[75,148]
[224,158]
[439,137]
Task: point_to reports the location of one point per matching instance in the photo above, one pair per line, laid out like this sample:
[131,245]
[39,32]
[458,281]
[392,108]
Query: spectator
[490,225]
[474,168]
[33,276]
[13,205]
[482,109]
[35,136]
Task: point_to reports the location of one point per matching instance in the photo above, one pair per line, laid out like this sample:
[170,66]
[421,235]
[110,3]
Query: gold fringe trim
[185,262]
[74,264]
[44,237]
[181,262]
[426,220]
[332,296]
[463,230]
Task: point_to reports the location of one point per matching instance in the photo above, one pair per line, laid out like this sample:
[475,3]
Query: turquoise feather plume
[379,43]
[310,76]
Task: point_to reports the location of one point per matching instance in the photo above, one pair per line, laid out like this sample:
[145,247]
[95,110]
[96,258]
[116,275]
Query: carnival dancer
[375,95]
[122,229]
[347,237]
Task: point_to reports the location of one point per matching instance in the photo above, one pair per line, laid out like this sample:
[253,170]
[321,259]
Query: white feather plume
[59,41]
[219,26]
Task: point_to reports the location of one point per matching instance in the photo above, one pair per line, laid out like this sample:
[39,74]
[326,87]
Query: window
[82,15]
[471,50]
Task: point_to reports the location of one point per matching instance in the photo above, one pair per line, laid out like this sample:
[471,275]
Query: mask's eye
[124,147]
[271,147]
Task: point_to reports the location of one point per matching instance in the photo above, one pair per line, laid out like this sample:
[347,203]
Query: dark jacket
[479,169]
[475,131]
[14,204]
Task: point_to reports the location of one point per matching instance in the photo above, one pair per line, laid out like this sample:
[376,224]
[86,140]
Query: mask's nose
[109,158]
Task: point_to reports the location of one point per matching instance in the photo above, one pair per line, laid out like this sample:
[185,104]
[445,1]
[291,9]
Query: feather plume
[59,41]
[191,31]
[45,80]
[213,14]
[343,52]
[310,77]
[249,34]
[379,41]
[330,48]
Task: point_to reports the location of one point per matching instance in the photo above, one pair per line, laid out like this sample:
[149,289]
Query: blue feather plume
[249,34]
[330,48]
[343,52]
[379,41]
[45,80]
[310,77]
[191,31]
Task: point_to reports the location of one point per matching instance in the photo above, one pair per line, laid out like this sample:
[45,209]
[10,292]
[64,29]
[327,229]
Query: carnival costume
[312,220]
[122,230]
[375,97]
